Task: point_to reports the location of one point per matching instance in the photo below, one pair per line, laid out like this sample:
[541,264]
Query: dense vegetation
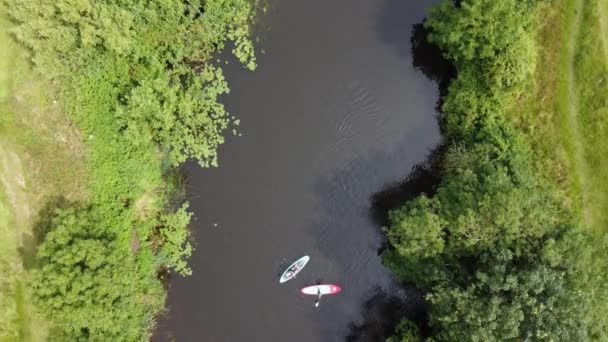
[498,247]
[135,78]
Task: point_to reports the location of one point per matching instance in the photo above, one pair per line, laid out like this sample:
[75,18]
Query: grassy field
[565,111]
[41,159]
[591,80]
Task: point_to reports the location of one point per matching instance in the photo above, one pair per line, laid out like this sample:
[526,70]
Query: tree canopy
[89,286]
[500,254]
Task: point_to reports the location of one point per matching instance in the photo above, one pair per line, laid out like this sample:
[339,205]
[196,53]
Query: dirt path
[573,112]
[13,183]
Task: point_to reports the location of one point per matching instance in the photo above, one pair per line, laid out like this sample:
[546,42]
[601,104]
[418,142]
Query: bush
[90,285]
[176,248]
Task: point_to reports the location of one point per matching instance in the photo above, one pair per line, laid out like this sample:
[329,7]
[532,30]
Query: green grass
[564,113]
[13,219]
[536,112]
[591,75]
[566,106]
[41,156]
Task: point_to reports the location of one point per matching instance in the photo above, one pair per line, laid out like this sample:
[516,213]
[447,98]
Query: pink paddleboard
[323,289]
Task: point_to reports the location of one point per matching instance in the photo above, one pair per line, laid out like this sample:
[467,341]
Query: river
[335,112]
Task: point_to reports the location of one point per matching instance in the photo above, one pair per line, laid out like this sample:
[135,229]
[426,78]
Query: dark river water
[335,112]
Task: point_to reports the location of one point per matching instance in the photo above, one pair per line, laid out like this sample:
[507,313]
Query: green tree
[505,301]
[479,29]
[89,286]
[407,332]
[491,248]
[492,45]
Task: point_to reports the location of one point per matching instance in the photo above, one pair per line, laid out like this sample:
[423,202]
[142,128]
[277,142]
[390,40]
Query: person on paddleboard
[319,294]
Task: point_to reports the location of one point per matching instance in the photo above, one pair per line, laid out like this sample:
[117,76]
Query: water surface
[334,113]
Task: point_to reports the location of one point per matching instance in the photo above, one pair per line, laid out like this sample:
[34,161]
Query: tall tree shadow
[383,310]
[347,233]
[41,227]
[424,177]
[428,58]
[385,307]
[394,23]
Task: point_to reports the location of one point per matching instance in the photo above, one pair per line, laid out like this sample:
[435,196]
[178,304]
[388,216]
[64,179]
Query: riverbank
[120,96]
[513,242]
